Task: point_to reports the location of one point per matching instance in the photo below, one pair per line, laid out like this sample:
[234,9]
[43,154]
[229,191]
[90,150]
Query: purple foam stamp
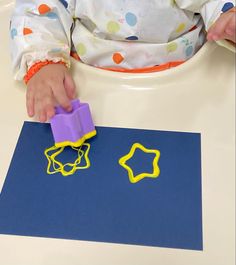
[72,128]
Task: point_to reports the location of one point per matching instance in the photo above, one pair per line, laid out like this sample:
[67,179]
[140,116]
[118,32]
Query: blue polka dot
[52,15]
[13,33]
[56,50]
[131,19]
[189,51]
[132,38]
[65,4]
[227,6]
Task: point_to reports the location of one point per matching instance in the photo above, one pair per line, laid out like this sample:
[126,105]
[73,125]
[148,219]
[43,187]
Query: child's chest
[149,20]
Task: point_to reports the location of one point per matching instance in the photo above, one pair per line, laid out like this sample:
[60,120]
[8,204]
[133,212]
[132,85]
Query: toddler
[120,35]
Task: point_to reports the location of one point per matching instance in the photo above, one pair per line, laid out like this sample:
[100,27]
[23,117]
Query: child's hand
[50,85]
[224,27]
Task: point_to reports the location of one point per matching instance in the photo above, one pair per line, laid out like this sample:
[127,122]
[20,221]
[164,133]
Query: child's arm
[40,47]
[219,17]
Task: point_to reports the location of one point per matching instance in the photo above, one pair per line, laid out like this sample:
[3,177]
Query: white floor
[198,96]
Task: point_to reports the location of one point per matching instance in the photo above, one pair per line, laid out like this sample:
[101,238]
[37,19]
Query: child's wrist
[38,66]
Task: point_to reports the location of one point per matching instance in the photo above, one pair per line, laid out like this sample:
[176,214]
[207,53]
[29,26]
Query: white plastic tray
[198,96]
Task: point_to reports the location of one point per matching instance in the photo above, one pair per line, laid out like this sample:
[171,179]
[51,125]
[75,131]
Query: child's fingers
[61,96]
[50,111]
[39,111]
[30,102]
[48,105]
[42,115]
[231,29]
[43,102]
[70,86]
[217,30]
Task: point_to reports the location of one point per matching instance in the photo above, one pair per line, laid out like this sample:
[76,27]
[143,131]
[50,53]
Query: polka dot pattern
[13,33]
[131,19]
[113,27]
[44,9]
[56,50]
[189,51]
[52,15]
[132,38]
[180,28]
[81,49]
[123,26]
[227,6]
[117,58]
[27,31]
[65,4]
[171,47]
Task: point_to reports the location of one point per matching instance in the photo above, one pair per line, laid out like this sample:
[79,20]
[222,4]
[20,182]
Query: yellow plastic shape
[156,169]
[60,167]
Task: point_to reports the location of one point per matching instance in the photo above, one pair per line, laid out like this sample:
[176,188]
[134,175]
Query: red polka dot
[117,58]
[27,31]
[43,9]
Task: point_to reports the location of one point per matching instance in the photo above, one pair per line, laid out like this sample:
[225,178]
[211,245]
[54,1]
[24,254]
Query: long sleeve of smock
[40,32]
[210,12]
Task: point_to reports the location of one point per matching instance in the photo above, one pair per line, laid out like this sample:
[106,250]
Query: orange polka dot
[27,31]
[117,58]
[43,9]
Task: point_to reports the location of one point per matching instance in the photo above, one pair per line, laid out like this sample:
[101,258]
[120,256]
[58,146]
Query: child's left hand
[224,27]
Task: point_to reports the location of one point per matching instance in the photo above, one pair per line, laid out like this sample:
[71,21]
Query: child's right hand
[224,27]
[51,85]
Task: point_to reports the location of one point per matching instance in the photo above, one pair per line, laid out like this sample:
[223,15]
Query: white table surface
[198,96]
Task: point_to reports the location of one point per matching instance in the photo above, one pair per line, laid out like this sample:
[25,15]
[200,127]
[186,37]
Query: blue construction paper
[99,203]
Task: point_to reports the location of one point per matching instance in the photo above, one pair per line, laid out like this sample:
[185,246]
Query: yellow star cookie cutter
[59,167]
[156,169]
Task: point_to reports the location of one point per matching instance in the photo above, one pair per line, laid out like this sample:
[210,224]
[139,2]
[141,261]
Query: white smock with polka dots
[127,34]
